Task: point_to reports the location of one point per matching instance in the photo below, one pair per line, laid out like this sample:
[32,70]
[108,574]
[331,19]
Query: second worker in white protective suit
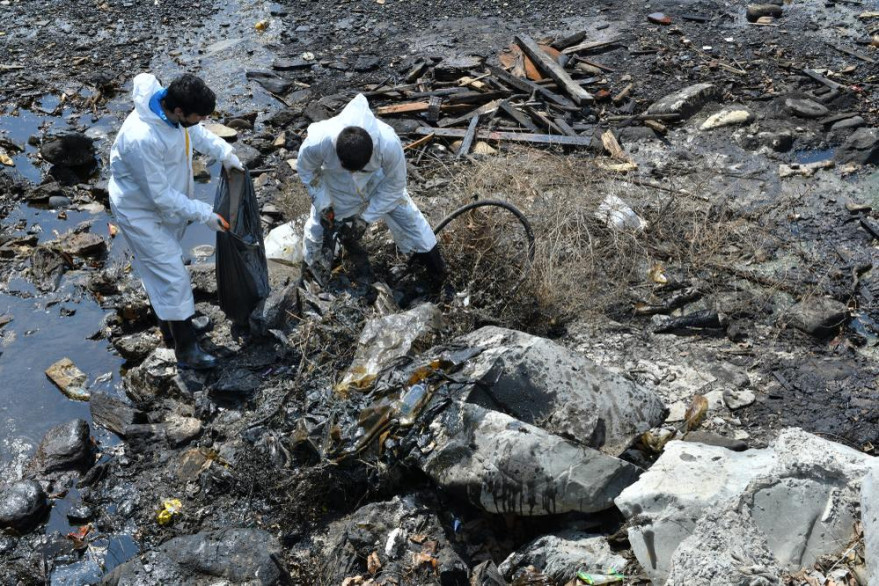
[353,167]
[151,196]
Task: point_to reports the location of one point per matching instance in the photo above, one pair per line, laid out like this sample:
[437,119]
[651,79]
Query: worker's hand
[352,229]
[232,162]
[327,215]
[217,223]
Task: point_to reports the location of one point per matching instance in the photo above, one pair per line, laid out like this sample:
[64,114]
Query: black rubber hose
[529,233]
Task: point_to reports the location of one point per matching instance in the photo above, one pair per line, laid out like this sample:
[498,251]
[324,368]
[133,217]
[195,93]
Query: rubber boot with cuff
[437,273]
[187,349]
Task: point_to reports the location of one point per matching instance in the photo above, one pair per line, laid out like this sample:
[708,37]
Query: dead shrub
[582,266]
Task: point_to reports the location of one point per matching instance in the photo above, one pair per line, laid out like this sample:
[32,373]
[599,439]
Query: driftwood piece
[433,108]
[624,93]
[468,138]
[821,79]
[404,108]
[589,46]
[549,66]
[527,86]
[564,126]
[518,116]
[421,141]
[113,414]
[566,42]
[484,109]
[544,139]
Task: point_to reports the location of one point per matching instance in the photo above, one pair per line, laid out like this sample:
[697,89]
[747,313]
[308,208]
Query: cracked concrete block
[801,494]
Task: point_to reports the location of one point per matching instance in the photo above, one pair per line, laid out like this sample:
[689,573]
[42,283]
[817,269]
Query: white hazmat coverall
[376,192]
[151,196]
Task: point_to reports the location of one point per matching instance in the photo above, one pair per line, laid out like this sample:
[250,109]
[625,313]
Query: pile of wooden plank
[534,100]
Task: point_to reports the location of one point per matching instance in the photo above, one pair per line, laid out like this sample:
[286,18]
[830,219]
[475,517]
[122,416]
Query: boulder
[870,520]
[23,505]
[249,156]
[235,556]
[542,383]
[387,338]
[817,316]
[137,346]
[80,244]
[727,117]
[725,549]
[779,142]
[64,447]
[113,414]
[71,149]
[862,147]
[800,494]
[403,536]
[685,102]
[503,465]
[849,123]
[560,555]
[805,108]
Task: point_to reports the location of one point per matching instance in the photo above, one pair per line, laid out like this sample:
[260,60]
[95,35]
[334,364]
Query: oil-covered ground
[750,284]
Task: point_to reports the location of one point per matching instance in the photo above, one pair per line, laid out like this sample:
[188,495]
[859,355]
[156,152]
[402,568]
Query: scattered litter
[170,508]
[69,379]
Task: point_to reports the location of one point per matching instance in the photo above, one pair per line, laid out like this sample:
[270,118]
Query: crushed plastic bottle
[411,402]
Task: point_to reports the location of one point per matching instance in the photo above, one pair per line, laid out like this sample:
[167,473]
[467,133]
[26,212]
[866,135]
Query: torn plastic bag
[242,272]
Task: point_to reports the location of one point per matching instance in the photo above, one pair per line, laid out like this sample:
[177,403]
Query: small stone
[738,398]
[853,122]
[59,201]
[80,513]
[862,147]
[757,11]
[805,108]
[222,131]
[71,149]
[818,316]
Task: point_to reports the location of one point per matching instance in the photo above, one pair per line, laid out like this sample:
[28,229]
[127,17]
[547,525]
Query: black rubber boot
[167,336]
[187,349]
[437,273]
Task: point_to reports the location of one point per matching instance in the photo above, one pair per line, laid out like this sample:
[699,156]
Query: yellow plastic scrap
[170,508]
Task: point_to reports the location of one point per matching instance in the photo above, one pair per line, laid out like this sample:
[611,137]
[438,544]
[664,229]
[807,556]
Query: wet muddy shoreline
[763,228]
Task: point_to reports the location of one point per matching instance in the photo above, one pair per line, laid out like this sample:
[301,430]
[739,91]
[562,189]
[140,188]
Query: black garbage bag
[242,272]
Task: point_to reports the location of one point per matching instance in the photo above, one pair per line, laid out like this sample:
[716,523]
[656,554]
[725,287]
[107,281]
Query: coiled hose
[529,233]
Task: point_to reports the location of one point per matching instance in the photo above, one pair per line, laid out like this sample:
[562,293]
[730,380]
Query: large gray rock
[70,149]
[862,147]
[801,494]
[398,533]
[64,447]
[870,520]
[506,466]
[818,316]
[685,102]
[559,556]
[23,505]
[542,383]
[238,556]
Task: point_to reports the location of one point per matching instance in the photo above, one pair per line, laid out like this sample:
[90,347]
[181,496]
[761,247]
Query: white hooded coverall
[151,196]
[376,192]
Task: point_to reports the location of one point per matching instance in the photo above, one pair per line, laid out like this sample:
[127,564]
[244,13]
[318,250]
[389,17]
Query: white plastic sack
[284,243]
[617,213]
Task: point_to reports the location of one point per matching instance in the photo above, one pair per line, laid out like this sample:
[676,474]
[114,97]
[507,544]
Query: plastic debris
[611,577]
[69,379]
[696,412]
[618,214]
[284,244]
[170,508]
[79,537]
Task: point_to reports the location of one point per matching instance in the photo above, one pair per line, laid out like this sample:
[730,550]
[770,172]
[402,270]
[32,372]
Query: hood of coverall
[357,113]
[144,86]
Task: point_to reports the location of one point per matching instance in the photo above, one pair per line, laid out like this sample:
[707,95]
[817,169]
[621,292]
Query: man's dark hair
[190,94]
[354,148]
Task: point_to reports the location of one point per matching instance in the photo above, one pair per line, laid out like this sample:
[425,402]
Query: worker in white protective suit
[355,172]
[151,196]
